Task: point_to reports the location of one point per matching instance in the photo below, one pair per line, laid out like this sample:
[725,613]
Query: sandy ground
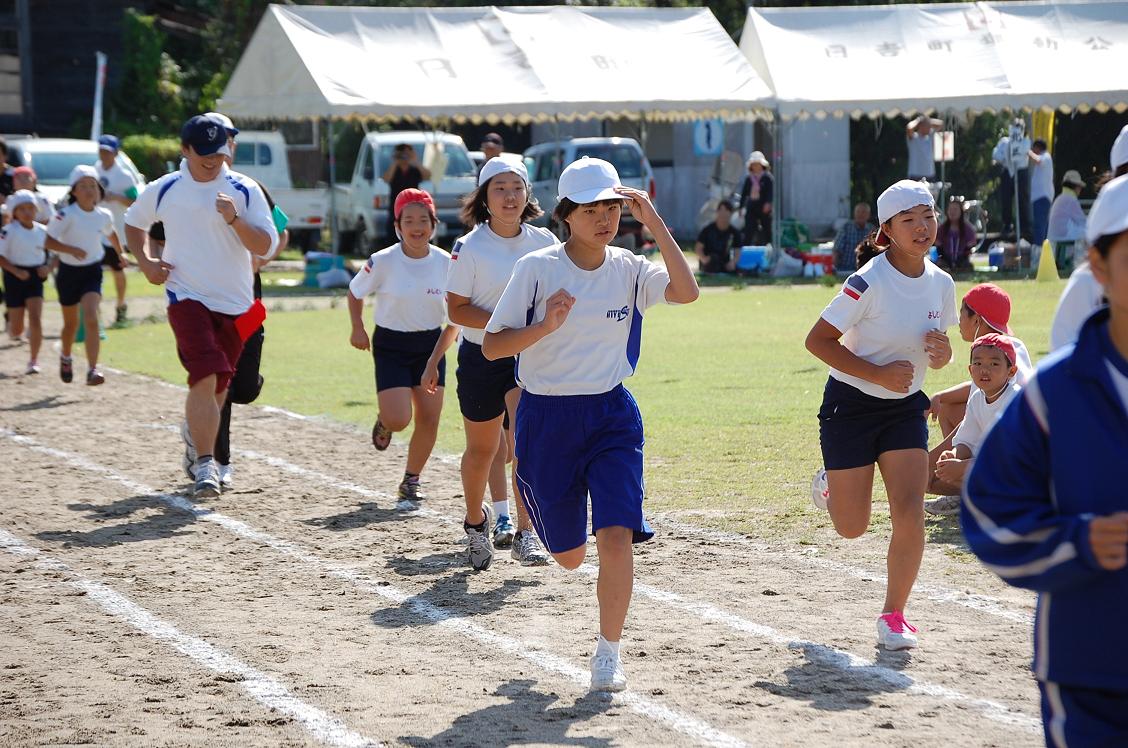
[364,611]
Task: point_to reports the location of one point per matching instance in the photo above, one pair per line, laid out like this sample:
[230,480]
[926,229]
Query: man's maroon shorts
[206,341]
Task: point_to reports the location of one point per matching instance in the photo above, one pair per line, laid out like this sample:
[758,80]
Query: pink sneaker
[894,632]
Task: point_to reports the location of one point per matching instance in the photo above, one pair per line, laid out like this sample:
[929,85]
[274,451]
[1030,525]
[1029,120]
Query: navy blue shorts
[111,259]
[854,428]
[569,447]
[17,292]
[401,357]
[75,281]
[1084,716]
[482,384]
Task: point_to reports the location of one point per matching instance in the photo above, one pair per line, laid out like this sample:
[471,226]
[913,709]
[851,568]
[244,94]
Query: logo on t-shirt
[455,250]
[855,286]
[618,314]
[434,292]
[935,314]
[368,265]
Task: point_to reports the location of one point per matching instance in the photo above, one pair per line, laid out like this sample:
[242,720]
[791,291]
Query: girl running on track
[407,279]
[572,314]
[75,234]
[480,266]
[879,335]
[24,260]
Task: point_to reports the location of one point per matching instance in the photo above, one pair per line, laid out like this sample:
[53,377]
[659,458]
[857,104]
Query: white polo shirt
[884,316]
[598,345]
[23,247]
[410,292]
[83,229]
[482,262]
[116,180]
[209,262]
[981,416]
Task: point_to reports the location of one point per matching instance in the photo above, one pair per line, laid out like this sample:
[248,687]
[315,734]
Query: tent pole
[332,187]
[776,130]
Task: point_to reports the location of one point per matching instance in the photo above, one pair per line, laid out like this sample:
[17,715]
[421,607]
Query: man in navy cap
[215,222]
[121,190]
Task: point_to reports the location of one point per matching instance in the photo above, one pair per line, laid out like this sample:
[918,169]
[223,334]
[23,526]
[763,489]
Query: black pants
[1006,197]
[757,226]
[244,389]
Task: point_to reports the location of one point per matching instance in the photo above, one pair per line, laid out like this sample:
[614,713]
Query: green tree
[150,96]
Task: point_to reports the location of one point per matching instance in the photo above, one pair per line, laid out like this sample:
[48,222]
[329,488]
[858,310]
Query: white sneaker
[32,368]
[894,632]
[945,506]
[480,552]
[820,490]
[207,479]
[226,476]
[607,672]
[189,460]
[528,550]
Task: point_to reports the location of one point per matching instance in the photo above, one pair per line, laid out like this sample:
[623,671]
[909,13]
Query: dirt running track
[306,607]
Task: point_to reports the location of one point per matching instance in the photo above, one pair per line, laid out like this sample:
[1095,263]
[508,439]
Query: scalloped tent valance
[876,61]
[492,64]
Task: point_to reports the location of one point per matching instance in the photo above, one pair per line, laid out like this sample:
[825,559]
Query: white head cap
[589,179]
[20,197]
[83,170]
[501,165]
[1118,156]
[1109,214]
[901,196]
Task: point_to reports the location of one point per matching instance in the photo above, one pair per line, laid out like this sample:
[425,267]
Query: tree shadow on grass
[161,522]
[944,530]
[831,682]
[528,717]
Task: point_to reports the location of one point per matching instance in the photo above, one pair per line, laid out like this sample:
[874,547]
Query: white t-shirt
[598,345]
[83,229]
[884,316]
[1024,364]
[23,247]
[481,263]
[410,293]
[981,416]
[116,180]
[921,163]
[209,262]
[1042,179]
[1082,296]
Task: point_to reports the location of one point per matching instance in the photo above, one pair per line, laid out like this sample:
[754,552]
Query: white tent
[901,59]
[491,64]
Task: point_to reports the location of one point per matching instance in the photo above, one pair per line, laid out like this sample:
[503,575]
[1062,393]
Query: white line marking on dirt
[686,724]
[262,687]
[820,653]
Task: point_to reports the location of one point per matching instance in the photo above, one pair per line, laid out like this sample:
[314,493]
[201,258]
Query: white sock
[501,508]
[607,647]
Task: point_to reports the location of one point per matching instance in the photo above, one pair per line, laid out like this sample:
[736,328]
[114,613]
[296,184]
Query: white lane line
[823,654]
[686,724]
[263,688]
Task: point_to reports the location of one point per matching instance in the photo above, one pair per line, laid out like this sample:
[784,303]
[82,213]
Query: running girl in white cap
[480,266]
[408,280]
[24,261]
[75,234]
[879,335]
[572,314]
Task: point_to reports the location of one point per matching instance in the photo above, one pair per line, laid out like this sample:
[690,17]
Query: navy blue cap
[109,143]
[205,136]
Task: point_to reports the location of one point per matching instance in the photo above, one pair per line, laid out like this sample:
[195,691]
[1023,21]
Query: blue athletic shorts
[1083,716]
[854,428]
[571,446]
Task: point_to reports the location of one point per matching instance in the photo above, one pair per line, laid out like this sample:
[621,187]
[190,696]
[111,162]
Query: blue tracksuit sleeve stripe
[1009,515]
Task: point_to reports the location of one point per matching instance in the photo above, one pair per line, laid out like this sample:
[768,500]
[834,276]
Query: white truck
[261,155]
[363,208]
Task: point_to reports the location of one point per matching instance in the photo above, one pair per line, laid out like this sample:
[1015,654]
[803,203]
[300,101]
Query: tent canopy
[517,64]
[903,59]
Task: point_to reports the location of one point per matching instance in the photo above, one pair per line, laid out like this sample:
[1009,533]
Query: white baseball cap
[81,171]
[1118,156]
[901,196]
[589,179]
[504,164]
[20,197]
[1109,214]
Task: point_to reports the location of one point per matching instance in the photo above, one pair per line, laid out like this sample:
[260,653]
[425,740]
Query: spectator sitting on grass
[718,243]
[955,239]
[849,237]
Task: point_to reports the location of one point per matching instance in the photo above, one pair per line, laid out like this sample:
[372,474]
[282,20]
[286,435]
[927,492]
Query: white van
[261,155]
[363,217]
[545,161]
[54,158]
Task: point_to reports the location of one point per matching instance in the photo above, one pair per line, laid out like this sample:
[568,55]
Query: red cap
[991,303]
[994,340]
[412,195]
[24,170]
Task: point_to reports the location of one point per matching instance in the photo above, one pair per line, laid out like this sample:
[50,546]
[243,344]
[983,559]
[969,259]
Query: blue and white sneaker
[503,532]
[820,490]
[188,462]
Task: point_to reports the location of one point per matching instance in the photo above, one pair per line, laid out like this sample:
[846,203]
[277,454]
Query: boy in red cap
[992,372]
[986,308]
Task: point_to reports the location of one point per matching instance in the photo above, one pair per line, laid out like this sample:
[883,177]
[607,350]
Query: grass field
[727,391]
[274,284]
